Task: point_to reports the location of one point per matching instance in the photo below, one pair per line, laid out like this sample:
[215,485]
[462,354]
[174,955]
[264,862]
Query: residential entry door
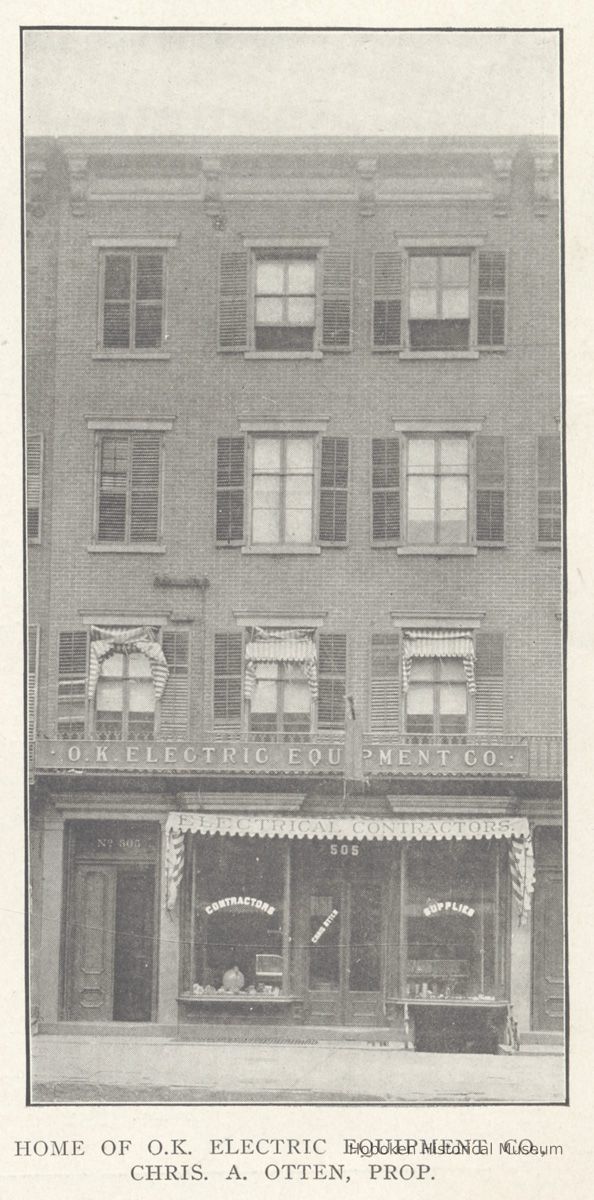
[548,957]
[345,935]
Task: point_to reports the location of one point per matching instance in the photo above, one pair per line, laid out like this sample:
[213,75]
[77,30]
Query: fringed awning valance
[139,640]
[516,829]
[281,646]
[438,643]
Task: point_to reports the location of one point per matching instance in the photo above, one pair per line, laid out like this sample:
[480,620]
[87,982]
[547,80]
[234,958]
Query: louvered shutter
[174,711]
[331,680]
[336,300]
[228,671]
[113,468]
[549,489]
[148,316]
[490,488]
[385,683]
[32,677]
[34,485]
[72,684]
[230,489]
[144,487]
[334,482]
[488,702]
[385,471]
[117,291]
[491,299]
[387,299]
[233,300]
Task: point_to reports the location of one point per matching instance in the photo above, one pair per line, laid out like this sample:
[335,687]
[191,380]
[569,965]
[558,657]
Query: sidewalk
[150,1070]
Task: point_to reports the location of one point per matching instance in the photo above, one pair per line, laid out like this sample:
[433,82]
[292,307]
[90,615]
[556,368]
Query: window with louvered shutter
[334,482]
[490,488]
[228,675]
[385,471]
[32,676]
[72,684]
[132,307]
[385,683]
[331,680]
[491,299]
[230,490]
[336,300]
[129,487]
[34,485]
[488,700]
[233,300]
[174,709]
[549,489]
[387,296]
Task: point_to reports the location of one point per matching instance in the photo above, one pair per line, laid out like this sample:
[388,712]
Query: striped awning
[139,640]
[444,828]
[281,646]
[438,643]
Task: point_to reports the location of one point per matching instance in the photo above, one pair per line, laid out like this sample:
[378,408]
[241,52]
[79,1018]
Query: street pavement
[86,1070]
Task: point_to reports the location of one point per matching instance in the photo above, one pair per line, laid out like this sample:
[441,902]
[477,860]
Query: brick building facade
[293,415]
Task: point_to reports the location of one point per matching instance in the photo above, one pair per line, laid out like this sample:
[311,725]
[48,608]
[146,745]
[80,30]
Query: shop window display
[452,921]
[238,917]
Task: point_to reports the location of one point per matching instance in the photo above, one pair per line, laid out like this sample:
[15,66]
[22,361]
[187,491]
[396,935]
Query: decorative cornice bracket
[544,183]
[366,178]
[213,191]
[78,176]
[36,188]
[502,171]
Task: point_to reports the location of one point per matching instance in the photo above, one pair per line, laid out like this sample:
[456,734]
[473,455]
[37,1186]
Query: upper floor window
[439,490]
[297,491]
[132,299]
[439,299]
[549,490]
[128,487]
[437,696]
[285,299]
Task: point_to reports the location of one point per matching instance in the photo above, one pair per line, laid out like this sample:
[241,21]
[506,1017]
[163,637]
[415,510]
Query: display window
[238,912]
[453,917]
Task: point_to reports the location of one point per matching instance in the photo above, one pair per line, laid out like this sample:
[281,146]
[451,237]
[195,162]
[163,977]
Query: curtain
[439,643]
[140,640]
[281,646]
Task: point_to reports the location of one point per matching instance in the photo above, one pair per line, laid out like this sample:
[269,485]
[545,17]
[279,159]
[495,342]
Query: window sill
[281,354]
[548,545]
[440,551]
[422,354]
[492,545]
[125,548]
[134,355]
[256,550]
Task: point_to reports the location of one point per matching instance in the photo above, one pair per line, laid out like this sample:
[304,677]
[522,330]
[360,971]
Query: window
[298,495]
[453,492]
[437,490]
[549,490]
[34,486]
[32,675]
[432,299]
[128,502]
[124,683]
[437,696]
[287,682]
[286,300]
[132,300]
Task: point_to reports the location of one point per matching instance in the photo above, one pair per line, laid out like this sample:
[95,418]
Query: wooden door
[548,956]
[363,983]
[90,940]
[134,942]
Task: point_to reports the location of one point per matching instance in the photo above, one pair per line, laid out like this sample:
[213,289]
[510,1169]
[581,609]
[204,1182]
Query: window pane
[114,463]
[265,696]
[421,455]
[298,527]
[110,695]
[452,669]
[139,666]
[113,666]
[302,278]
[149,277]
[301,311]
[266,491]
[297,697]
[270,278]
[454,454]
[267,452]
[299,454]
[148,326]
[452,698]
[455,270]
[269,310]
[299,491]
[454,491]
[141,696]
[118,268]
[422,668]
[265,526]
[421,493]
[422,304]
[116,326]
[455,302]
[419,699]
[423,270]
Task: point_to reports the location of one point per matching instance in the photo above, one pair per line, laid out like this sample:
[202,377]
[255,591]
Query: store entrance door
[547,963]
[344,936]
